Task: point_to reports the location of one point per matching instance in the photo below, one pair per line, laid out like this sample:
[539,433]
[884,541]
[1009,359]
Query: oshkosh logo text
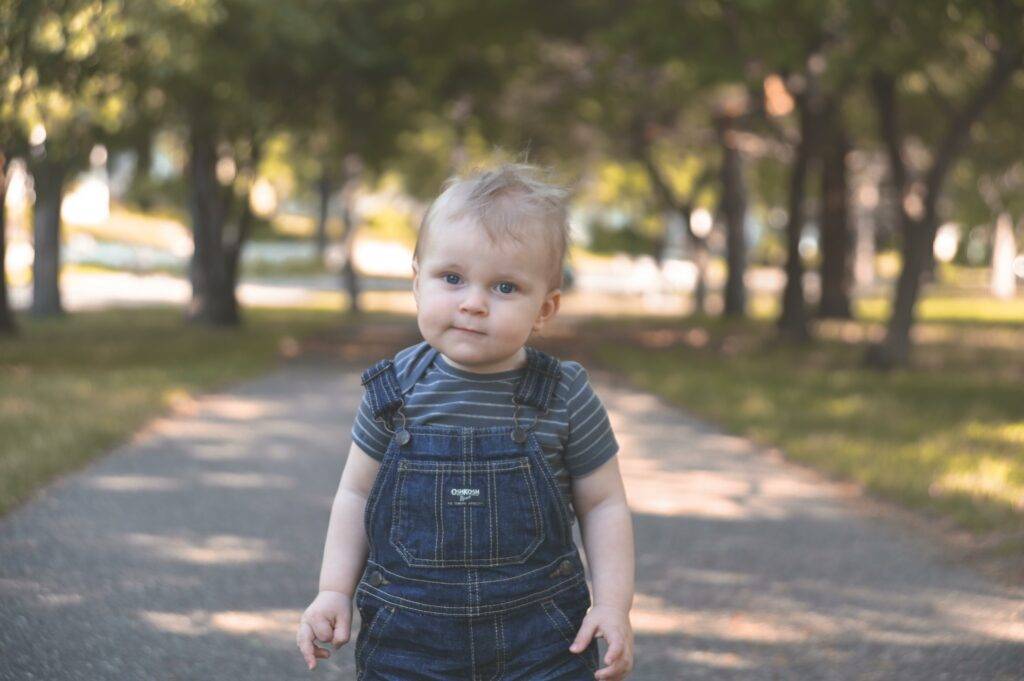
[464,493]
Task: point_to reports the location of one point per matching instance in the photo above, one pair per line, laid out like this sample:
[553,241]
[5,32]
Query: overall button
[376,578]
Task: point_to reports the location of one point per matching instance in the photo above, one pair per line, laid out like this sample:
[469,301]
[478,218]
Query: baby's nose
[474,301]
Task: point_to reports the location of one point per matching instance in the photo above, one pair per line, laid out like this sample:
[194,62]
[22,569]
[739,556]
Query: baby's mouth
[475,333]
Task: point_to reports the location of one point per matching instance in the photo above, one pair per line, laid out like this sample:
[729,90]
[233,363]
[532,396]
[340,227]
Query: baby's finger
[304,639]
[613,672]
[615,647]
[583,637]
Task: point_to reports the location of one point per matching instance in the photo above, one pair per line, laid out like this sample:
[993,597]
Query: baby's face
[477,302]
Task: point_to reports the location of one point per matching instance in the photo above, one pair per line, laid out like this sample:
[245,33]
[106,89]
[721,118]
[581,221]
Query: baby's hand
[612,624]
[328,619]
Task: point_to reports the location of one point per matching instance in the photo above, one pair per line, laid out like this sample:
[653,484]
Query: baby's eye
[507,287]
[449,277]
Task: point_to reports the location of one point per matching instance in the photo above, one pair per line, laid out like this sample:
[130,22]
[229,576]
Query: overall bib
[472,573]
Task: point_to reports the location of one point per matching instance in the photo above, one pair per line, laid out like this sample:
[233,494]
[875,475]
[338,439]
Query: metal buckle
[519,433]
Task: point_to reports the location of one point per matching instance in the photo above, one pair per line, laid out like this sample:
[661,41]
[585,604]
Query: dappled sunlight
[652,615]
[225,407]
[984,617]
[707,658]
[710,577]
[246,480]
[699,494]
[224,549]
[709,475]
[233,408]
[272,623]
[174,623]
[920,617]
[988,477]
[842,406]
[60,600]
[281,622]
[132,483]
[218,451]
[1005,434]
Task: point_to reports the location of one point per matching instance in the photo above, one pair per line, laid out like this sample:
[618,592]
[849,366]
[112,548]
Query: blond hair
[506,201]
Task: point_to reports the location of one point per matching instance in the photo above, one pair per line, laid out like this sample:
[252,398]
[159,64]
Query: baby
[472,456]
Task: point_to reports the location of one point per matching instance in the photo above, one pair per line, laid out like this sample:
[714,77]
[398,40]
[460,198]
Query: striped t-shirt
[575,434]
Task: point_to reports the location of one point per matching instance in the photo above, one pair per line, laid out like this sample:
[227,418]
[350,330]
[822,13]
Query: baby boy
[472,456]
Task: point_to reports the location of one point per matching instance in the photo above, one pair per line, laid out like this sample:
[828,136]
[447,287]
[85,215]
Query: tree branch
[1007,61]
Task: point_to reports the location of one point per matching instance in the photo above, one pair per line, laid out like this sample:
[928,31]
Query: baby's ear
[548,308]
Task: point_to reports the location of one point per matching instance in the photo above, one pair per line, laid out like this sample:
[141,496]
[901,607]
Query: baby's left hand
[613,625]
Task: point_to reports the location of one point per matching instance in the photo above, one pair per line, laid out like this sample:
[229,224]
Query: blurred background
[796,218]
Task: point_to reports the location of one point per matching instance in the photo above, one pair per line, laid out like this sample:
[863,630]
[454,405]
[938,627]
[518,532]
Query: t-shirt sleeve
[371,436]
[591,441]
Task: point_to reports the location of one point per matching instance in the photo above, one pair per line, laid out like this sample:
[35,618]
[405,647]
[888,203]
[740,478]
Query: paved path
[190,553]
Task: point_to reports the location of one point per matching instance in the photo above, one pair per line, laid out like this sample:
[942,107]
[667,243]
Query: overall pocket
[467,513]
[565,613]
[373,621]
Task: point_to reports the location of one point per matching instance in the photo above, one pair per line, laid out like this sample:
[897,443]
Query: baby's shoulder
[574,377]
[571,370]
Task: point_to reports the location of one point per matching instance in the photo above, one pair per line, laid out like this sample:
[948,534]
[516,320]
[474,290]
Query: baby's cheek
[431,320]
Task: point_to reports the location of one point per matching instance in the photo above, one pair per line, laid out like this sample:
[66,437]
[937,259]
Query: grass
[71,388]
[946,438]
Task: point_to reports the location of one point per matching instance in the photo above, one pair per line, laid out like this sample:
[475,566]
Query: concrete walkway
[190,553]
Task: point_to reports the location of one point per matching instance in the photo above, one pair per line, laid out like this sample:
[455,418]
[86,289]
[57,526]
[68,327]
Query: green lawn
[946,437]
[71,388]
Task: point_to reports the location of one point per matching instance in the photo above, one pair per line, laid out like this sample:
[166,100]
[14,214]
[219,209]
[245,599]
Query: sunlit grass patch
[945,307]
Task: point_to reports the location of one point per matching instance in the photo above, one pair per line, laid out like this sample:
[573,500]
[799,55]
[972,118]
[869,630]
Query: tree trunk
[8,324]
[48,177]
[233,251]
[835,231]
[701,258]
[243,227]
[324,187]
[213,291]
[895,350]
[792,323]
[919,235]
[734,208]
[349,275]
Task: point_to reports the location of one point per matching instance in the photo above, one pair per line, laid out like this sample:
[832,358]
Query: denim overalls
[472,572]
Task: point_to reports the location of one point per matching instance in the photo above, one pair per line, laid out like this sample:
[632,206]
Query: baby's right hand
[328,619]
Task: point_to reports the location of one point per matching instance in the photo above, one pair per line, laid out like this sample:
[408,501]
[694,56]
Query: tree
[63,91]
[981,51]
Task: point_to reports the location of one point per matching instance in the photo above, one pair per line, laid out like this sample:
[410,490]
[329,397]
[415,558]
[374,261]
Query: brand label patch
[465,496]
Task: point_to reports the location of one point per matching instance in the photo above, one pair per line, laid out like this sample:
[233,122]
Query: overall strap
[536,387]
[384,387]
[383,390]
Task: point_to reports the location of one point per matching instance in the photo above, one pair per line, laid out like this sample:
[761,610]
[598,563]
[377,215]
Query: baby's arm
[345,547]
[329,617]
[607,530]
